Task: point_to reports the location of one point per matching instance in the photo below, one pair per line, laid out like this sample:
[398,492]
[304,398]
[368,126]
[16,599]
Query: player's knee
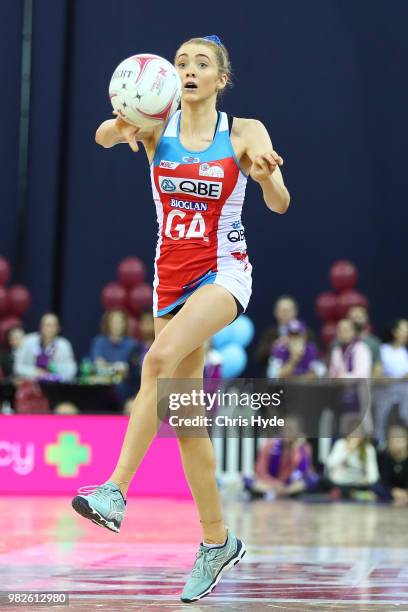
[158,361]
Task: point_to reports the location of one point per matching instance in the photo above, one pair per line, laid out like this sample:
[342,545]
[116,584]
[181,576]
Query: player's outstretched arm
[265,166]
[117,131]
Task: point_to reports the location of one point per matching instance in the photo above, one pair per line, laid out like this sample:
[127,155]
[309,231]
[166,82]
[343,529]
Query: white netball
[145,90]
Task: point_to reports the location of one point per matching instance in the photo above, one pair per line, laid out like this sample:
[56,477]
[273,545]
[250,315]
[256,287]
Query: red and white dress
[198,198]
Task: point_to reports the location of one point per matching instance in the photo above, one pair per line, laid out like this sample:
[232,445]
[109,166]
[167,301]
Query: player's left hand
[264,166]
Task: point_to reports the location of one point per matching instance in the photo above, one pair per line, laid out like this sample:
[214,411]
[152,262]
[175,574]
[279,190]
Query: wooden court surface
[300,556]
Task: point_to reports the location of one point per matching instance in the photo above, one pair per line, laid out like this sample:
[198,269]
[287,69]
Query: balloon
[326,304]
[347,299]
[140,297]
[343,275]
[3,301]
[242,330]
[19,299]
[134,327]
[5,326]
[328,332]
[223,337]
[5,271]
[113,296]
[234,360]
[131,271]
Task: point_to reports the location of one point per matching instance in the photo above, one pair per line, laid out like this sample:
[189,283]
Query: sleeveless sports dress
[198,198]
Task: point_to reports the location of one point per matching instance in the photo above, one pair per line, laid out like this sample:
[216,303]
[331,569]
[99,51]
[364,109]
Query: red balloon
[19,300]
[131,271]
[343,275]
[328,332]
[113,296]
[5,326]
[140,297]
[347,299]
[134,327]
[326,305]
[3,301]
[5,271]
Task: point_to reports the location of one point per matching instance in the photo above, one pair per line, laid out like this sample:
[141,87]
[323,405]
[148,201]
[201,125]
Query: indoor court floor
[300,556]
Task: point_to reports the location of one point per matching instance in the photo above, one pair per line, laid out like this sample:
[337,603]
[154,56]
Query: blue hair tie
[214,38]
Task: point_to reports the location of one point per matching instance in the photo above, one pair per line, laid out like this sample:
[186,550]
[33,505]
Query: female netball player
[200,162]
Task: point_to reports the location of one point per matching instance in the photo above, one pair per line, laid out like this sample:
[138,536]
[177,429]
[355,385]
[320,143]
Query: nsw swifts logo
[211,170]
[189,159]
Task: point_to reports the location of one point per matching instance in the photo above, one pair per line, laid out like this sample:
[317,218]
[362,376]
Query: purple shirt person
[294,355]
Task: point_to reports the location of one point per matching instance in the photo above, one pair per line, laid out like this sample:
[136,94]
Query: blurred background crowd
[41,371]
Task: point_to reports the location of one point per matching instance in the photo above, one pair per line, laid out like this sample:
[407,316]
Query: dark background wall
[327,78]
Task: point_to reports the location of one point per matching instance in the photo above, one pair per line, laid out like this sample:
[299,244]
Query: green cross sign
[68,454]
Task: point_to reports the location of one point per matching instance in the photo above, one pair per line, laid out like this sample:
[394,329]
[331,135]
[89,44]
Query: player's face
[198,70]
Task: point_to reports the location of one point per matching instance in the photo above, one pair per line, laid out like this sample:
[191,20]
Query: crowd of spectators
[46,356]
[355,468]
[362,464]
[288,348]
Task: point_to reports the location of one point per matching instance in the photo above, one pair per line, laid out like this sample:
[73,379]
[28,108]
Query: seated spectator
[146,332]
[285,309]
[46,356]
[352,464]
[127,407]
[15,338]
[66,408]
[359,316]
[212,362]
[394,353]
[394,356]
[115,351]
[393,463]
[284,466]
[293,355]
[351,358]
[212,369]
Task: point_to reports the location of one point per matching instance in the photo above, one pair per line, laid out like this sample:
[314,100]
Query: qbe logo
[207,189]
[236,235]
[167,185]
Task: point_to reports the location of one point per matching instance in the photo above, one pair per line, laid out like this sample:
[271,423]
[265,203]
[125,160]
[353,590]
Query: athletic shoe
[209,566]
[102,504]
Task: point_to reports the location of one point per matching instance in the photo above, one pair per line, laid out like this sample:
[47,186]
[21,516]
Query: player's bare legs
[206,311]
[199,462]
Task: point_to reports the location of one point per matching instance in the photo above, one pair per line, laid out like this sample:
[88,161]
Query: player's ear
[222,82]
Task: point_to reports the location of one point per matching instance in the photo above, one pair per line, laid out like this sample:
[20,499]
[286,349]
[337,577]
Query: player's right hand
[128,131]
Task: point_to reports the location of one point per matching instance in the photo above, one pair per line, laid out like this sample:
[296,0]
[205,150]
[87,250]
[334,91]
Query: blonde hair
[221,55]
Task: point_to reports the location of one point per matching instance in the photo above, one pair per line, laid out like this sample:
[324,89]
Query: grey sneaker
[209,566]
[102,504]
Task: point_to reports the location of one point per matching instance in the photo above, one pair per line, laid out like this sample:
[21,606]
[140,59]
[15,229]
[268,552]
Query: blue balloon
[223,337]
[234,360]
[243,330]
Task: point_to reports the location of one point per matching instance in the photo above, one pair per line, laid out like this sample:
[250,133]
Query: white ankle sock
[214,545]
